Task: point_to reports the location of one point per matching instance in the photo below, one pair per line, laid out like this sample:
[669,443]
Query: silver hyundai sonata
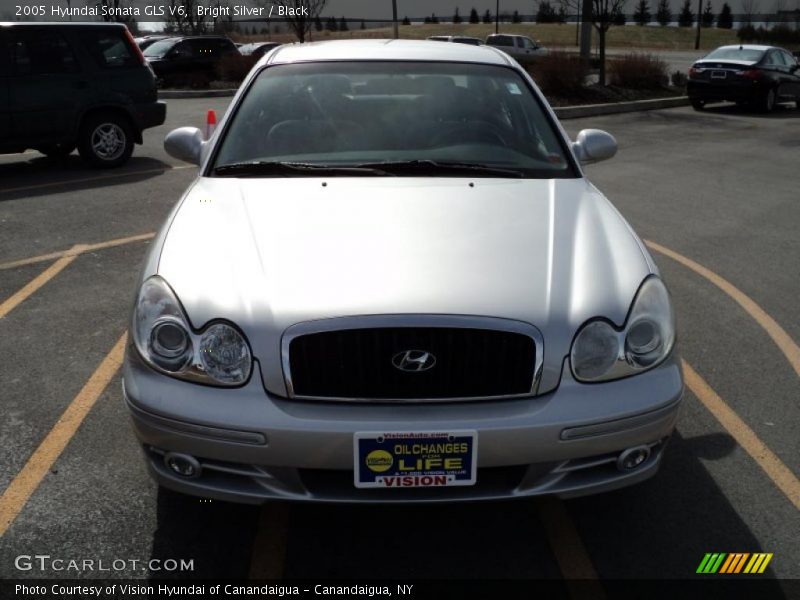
[392,282]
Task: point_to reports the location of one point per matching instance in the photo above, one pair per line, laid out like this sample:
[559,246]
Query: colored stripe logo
[735,562]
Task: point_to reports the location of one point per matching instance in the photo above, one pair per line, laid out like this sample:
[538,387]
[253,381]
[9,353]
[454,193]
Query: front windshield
[744,54]
[344,114]
[159,48]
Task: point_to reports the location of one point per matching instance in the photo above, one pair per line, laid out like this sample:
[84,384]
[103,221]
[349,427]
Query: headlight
[217,355]
[601,352]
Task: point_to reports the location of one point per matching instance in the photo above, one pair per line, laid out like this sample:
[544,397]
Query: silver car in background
[391,282]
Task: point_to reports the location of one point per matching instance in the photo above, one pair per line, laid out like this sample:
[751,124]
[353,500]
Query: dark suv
[75,85]
[190,61]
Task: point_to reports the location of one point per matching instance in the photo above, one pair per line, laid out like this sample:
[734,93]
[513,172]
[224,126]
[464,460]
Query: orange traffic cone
[211,124]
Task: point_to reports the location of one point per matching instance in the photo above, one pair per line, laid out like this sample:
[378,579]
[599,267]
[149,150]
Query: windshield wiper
[294,169]
[435,167]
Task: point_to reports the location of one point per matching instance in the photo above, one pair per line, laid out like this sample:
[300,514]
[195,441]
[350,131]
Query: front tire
[697,104]
[767,103]
[106,140]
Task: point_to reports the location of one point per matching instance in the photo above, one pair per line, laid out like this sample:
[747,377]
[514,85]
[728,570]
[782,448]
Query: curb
[167,94]
[591,110]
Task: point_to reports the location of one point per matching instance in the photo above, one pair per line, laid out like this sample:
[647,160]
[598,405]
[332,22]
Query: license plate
[719,74]
[415,459]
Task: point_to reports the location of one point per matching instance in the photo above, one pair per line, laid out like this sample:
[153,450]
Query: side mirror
[594,145]
[185,143]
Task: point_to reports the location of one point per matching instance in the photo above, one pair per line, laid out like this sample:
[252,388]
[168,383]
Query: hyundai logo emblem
[413,361]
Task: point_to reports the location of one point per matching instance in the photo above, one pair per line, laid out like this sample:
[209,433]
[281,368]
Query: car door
[5,103]
[793,75]
[777,71]
[520,51]
[179,59]
[48,87]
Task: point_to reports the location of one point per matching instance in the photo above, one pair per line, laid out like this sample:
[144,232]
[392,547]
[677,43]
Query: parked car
[399,297]
[761,76]
[149,40]
[191,61]
[457,39]
[522,48]
[64,86]
[258,49]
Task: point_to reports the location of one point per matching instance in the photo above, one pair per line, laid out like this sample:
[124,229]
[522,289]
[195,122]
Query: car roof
[744,47]
[369,49]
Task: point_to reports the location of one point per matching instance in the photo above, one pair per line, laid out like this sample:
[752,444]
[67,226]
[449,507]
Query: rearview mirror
[185,143]
[594,145]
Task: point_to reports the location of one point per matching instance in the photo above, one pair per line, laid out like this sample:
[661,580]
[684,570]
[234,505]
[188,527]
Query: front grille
[358,363]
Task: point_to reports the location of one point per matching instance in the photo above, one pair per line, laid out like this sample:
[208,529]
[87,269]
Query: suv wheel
[106,140]
[57,150]
[697,104]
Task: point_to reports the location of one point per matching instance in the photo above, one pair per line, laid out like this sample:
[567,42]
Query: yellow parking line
[28,479]
[775,469]
[38,281]
[39,186]
[785,343]
[76,250]
[269,547]
[565,541]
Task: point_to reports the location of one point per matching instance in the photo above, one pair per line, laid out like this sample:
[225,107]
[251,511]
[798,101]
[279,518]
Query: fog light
[633,458]
[182,464]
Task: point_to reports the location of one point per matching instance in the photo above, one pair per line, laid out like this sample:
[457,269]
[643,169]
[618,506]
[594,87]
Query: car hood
[269,253]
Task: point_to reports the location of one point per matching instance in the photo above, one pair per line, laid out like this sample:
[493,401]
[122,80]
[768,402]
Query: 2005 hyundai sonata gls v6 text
[391,282]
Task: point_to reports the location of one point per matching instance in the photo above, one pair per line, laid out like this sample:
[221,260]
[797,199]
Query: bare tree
[299,15]
[604,13]
[779,11]
[749,8]
[573,7]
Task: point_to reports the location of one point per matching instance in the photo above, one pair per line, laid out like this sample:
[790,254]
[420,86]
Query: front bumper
[254,447]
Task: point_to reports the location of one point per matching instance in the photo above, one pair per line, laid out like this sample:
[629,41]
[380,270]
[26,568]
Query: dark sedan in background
[190,60]
[760,76]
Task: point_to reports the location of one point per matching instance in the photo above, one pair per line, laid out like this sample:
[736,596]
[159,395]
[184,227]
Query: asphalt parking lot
[715,195]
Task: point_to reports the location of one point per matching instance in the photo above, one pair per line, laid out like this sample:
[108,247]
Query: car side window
[788,59]
[42,53]
[529,44]
[520,42]
[501,40]
[109,49]
[181,50]
[774,58]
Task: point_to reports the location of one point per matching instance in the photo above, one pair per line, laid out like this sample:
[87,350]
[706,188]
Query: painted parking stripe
[565,541]
[76,250]
[66,182]
[17,494]
[782,339]
[20,296]
[269,546]
[769,462]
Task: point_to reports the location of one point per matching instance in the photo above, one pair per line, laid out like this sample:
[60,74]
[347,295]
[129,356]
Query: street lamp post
[497,17]
[394,19]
